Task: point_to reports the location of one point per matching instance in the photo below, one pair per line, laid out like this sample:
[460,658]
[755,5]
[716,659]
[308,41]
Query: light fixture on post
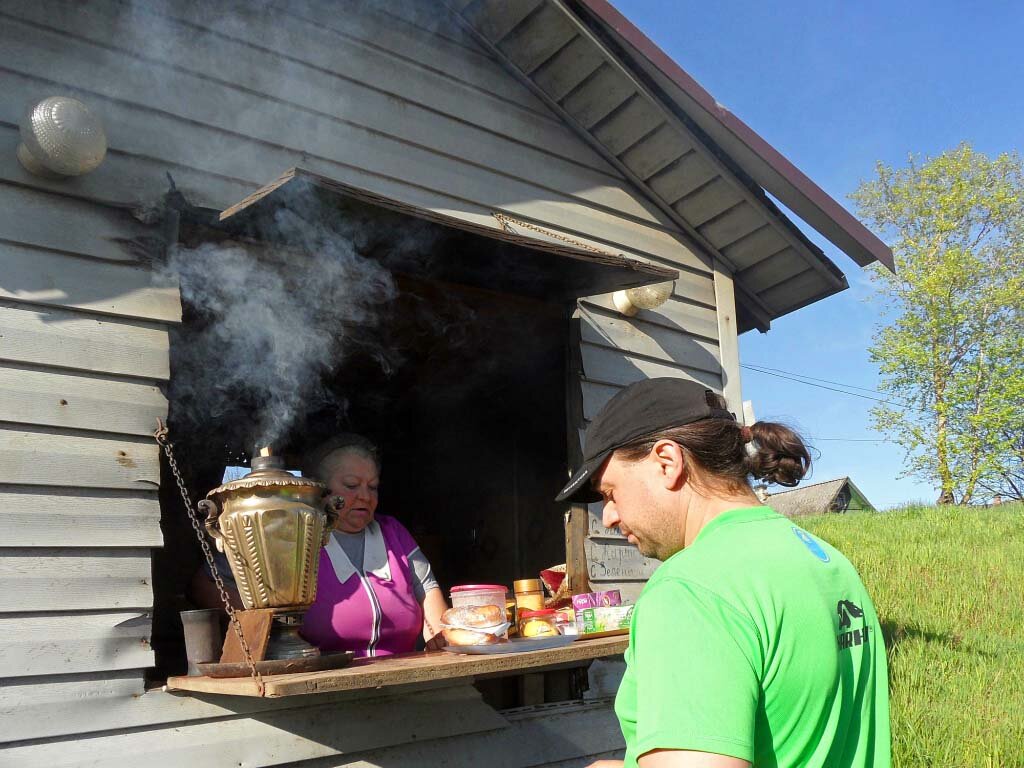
[632,300]
[61,137]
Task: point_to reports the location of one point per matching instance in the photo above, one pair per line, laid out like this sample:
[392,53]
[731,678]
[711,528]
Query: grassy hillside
[949,589]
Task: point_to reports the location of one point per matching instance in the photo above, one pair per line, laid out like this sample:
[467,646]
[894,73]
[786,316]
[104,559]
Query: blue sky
[836,87]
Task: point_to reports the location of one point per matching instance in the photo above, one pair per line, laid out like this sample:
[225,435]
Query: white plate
[516,645]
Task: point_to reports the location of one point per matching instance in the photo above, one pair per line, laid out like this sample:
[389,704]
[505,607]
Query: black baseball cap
[640,410]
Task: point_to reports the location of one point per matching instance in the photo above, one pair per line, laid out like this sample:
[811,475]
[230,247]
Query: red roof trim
[612,18]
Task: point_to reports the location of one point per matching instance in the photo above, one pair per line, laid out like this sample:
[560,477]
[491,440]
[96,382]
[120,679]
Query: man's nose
[610,515]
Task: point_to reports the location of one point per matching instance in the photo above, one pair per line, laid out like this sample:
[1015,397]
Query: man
[754,643]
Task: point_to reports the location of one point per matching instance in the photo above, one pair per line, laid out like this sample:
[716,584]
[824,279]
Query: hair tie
[746,434]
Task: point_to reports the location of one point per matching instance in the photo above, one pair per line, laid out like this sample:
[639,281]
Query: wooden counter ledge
[403,670]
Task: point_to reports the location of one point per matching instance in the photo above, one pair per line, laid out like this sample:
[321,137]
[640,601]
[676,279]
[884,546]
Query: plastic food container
[538,623]
[479,594]
[529,594]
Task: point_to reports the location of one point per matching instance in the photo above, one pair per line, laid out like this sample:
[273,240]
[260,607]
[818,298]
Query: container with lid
[529,594]
[479,594]
[538,623]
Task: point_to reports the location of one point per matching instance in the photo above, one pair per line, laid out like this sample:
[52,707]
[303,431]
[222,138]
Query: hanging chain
[506,223]
[161,438]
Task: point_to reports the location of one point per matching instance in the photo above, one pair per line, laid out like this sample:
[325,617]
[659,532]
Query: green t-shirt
[757,641]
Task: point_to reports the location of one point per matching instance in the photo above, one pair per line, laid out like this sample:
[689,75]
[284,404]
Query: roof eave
[762,162]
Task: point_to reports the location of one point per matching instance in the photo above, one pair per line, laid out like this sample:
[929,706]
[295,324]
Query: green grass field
[949,588]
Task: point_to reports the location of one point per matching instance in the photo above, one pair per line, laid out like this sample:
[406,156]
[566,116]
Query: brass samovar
[271,525]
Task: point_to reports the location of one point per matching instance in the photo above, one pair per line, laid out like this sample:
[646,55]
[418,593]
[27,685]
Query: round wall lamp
[632,300]
[61,137]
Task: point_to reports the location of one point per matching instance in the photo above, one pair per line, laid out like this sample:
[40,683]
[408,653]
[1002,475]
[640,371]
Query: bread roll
[456,636]
[474,625]
[474,616]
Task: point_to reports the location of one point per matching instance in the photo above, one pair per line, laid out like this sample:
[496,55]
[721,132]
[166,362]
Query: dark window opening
[468,412]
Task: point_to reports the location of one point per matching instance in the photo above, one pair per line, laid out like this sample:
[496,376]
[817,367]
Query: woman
[754,642]
[376,594]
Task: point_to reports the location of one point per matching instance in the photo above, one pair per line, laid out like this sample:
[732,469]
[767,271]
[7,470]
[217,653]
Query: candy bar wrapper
[603,619]
[596,599]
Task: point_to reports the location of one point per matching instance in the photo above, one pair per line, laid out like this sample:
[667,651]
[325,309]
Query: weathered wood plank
[50,458]
[46,397]
[571,735]
[44,336]
[729,343]
[409,668]
[123,180]
[595,396]
[648,339]
[533,43]
[278,734]
[628,125]
[611,366]
[753,246]
[495,18]
[420,43]
[372,161]
[803,287]
[77,517]
[568,68]
[50,579]
[44,277]
[74,642]
[772,270]
[107,701]
[707,202]
[595,98]
[27,216]
[420,729]
[656,151]
[332,93]
[732,225]
[682,177]
[674,313]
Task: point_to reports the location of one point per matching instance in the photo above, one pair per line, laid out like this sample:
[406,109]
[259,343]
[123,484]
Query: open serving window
[463,378]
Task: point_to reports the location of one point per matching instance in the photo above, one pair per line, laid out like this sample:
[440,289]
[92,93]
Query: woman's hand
[434,605]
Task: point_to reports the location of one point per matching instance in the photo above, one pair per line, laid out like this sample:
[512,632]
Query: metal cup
[203,639]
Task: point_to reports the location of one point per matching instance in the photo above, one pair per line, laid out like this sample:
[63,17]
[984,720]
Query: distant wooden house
[832,496]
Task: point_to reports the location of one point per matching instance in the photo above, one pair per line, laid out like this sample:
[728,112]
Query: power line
[830,389]
[755,366]
[853,439]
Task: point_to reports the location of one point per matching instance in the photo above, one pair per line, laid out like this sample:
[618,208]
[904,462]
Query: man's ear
[671,463]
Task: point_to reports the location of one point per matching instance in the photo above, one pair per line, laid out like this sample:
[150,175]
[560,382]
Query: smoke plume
[268,325]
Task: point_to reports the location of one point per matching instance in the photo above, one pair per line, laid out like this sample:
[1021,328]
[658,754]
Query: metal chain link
[160,435]
[506,223]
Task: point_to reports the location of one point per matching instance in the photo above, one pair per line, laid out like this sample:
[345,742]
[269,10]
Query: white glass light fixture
[60,137]
[632,300]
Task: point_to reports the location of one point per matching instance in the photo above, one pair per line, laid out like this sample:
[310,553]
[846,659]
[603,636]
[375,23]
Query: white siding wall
[406,107]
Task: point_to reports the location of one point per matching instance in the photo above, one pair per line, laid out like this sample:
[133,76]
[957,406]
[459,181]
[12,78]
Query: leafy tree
[951,345]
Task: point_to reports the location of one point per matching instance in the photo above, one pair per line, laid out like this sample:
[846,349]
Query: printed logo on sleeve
[812,544]
[848,612]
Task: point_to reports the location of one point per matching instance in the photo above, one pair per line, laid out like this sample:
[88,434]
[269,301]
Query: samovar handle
[209,507]
[332,508]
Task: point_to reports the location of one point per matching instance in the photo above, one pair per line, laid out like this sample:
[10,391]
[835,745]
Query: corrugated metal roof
[596,70]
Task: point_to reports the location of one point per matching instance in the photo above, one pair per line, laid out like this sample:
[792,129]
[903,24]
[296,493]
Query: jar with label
[529,594]
[537,623]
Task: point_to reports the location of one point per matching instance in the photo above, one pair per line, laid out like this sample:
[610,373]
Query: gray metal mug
[203,638]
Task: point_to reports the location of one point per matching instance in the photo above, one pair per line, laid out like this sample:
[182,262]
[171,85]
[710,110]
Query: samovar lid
[267,472]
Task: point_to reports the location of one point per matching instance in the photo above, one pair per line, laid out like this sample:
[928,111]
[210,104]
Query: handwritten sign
[617,561]
[597,530]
